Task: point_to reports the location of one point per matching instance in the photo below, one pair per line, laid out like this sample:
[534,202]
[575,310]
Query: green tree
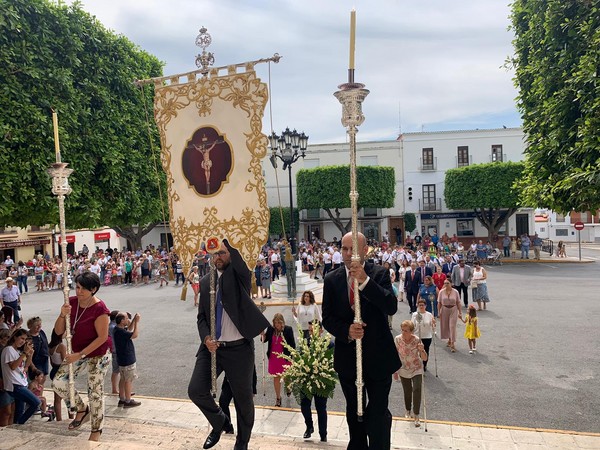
[557,60]
[328,188]
[275,228]
[410,222]
[62,58]
[488,189]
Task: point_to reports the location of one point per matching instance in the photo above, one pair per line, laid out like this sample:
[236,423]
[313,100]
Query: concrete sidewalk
[177,424]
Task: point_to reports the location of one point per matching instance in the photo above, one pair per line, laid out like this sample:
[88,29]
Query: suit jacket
[455,276]
[428,271]
[377,301]
[288,336]
[447,267]
[412,285]
[235,284]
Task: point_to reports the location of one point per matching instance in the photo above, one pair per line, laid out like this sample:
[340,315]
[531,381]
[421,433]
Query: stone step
[133,434]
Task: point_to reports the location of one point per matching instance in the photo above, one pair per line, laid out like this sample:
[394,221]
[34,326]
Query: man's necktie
[219,313]
[351,291]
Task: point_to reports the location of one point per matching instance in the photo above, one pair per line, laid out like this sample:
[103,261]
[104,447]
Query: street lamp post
[288,147]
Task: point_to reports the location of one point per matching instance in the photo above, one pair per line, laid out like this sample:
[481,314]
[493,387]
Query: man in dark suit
[448,266]
[425,270]
[238,321]
[412,282]
[380,358]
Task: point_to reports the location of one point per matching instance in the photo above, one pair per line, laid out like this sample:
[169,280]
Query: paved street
[537,362]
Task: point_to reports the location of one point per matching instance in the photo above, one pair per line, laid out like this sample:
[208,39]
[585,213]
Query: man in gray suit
[239,321]
[461,279]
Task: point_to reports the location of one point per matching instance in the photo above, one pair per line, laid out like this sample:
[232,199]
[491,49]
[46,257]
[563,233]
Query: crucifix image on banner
[207,161]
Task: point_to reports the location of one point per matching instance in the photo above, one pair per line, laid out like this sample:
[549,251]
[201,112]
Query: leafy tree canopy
[557,60]
[328,188]
[275,228]
[488,189]
[410,222]
[62,58]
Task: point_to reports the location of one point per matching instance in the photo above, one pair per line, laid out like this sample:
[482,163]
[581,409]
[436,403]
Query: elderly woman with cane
[91,350]
[412,354]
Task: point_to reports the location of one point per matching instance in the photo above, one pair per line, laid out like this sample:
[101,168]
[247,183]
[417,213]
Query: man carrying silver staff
[380,358]
[238,322]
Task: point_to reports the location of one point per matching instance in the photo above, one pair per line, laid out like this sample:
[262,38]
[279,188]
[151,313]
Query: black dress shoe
[228,428]
[323,438]
[215,435]
[309,431]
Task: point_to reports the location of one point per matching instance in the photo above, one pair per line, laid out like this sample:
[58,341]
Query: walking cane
[433,338]
[434,352]
[419,320]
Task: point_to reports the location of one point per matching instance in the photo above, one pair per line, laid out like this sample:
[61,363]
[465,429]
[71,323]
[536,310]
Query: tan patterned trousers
[96,367]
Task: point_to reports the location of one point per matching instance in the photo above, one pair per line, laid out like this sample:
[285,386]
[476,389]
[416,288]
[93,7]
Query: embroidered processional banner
[212,147]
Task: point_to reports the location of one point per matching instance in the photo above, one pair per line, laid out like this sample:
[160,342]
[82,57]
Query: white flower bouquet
[311,369]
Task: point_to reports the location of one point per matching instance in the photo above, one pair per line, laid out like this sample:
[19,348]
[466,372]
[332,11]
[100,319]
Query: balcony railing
[427,164]
[434,204]
[463,162]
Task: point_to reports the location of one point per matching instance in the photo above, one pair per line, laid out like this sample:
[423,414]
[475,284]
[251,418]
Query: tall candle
[352,37]
[56,142]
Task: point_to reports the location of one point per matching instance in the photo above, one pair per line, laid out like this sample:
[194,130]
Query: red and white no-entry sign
[578,226]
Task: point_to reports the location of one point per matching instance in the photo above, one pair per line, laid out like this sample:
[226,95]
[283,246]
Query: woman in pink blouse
[412,354]
[449,312]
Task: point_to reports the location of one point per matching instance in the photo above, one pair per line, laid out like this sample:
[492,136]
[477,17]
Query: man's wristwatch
[82,355]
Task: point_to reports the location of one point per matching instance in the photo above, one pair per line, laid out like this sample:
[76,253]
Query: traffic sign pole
[579,226]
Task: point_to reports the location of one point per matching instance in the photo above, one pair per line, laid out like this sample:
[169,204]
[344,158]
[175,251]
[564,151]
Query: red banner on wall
[102,236]
[70,239]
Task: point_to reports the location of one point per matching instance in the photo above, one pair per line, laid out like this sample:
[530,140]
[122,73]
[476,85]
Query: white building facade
[428,155]
[374,223]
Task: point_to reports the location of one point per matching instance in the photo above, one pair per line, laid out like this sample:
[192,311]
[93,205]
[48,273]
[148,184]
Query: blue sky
[430,64]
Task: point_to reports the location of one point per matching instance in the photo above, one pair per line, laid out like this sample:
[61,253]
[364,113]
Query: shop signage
[24,243]
[456,215]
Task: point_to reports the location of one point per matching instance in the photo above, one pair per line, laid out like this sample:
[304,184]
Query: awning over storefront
[23,243]
[102,236]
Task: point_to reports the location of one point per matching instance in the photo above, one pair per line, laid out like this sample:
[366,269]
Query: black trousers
[276,267]
[321,407]
[326,268]
[463,291]
[227,395]
[374,432]
[237,362]
[411,297]
[426,344]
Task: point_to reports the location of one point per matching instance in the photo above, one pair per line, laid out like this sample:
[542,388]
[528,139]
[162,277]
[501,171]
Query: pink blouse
[409,355]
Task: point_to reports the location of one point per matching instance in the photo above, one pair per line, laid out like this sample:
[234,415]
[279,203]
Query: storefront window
[465,227]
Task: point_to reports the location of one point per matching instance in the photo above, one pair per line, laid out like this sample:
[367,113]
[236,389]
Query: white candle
[56,142]
[352,37]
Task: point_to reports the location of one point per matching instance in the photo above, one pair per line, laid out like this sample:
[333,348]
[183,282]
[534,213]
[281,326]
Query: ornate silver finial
[205,59]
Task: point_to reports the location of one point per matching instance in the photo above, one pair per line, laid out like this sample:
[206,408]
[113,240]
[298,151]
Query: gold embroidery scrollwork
[248,232]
